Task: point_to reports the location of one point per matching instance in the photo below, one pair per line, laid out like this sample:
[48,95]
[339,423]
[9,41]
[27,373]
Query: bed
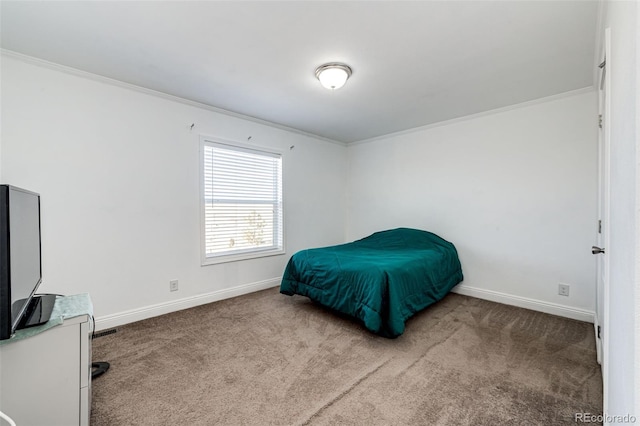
[381,280]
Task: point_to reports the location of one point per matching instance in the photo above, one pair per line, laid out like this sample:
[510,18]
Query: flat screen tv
[20,262]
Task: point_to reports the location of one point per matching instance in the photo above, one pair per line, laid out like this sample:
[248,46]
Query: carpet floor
[265,358]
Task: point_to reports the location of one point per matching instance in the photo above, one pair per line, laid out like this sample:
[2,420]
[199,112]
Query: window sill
[214,260]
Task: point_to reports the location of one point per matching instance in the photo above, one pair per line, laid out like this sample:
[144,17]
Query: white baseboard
[126,317]
[524,302]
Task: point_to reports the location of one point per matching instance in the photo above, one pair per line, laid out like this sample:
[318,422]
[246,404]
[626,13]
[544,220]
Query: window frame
[251,253]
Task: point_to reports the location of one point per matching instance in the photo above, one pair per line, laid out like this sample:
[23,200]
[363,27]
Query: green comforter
[382,279]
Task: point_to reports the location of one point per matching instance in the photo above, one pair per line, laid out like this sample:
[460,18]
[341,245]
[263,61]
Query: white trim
[133,315]
[599,42]
[588,89]
[243,145]
[247,254]
[636,223]
[102,79]
[606,317]
[598,340]
[113,82]
[527,303]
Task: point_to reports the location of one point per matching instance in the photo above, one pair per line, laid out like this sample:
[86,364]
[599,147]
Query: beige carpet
[266,358]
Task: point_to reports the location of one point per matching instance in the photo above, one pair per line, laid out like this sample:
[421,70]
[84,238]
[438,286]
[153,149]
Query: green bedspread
[382,279]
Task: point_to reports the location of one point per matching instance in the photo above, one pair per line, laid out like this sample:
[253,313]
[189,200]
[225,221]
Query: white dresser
[45,379]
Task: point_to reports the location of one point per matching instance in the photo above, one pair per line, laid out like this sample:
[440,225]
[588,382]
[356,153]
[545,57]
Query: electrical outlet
[173,285]
[563,289]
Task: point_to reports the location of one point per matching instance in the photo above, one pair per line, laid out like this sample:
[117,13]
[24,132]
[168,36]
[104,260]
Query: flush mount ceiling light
[333,75]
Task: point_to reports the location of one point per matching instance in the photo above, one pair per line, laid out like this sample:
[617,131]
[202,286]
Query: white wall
[118,173]
[514,190]
[622,386]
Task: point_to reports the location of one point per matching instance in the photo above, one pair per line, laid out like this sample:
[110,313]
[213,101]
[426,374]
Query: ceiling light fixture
[333,75]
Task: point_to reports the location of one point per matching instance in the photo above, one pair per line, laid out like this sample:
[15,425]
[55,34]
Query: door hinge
[598,332]
[599,227]
[600,121]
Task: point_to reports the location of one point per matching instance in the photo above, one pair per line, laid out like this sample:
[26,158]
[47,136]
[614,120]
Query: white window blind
[242,202]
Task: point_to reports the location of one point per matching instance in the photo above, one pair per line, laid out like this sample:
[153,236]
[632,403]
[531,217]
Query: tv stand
[45,379]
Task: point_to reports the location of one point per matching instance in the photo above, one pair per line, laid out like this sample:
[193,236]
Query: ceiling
[414,63]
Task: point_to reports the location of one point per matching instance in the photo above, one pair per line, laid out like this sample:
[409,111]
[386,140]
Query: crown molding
[113,82]
[588,89]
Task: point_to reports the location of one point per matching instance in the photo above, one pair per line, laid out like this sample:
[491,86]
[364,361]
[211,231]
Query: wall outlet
[563,289]
[173,285]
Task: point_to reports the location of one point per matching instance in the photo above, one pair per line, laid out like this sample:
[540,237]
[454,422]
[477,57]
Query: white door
[602,257]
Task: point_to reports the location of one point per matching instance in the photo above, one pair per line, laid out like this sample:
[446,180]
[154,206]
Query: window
[241,201]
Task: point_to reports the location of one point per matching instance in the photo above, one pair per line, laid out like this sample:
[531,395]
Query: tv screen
[20,255]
